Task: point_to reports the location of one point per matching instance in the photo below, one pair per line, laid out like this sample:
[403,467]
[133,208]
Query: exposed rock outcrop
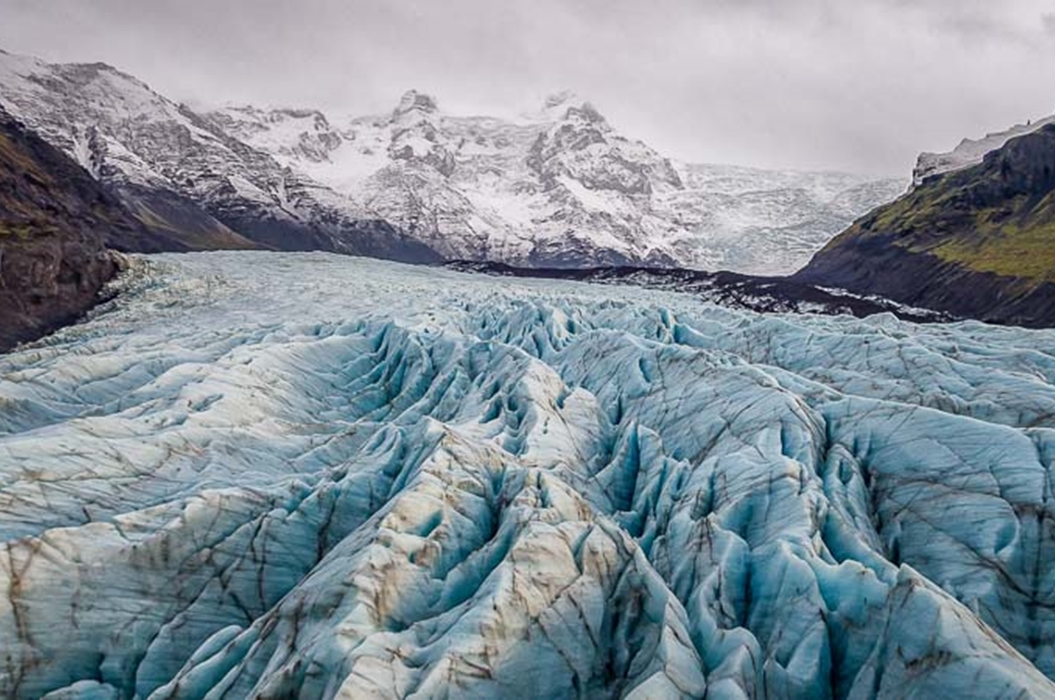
[970,151]
[56,222]
[978,242]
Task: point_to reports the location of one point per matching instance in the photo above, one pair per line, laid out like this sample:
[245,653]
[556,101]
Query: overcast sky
[839,84]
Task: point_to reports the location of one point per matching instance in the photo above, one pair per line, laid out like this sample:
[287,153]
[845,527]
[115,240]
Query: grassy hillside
[985,234]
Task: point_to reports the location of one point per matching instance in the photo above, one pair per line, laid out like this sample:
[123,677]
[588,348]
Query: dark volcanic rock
[977,243]
[364,237]
[56,222]
[761,294]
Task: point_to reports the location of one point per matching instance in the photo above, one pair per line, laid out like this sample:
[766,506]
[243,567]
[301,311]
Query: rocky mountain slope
[358,479]
[970,151]
[182,178]
[729,289]
[559,187]
[56,223]
[976,242]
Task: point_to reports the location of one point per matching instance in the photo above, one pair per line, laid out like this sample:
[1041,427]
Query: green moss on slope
[996,217]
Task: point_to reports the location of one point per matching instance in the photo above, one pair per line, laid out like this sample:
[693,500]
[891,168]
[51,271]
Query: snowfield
[313,476]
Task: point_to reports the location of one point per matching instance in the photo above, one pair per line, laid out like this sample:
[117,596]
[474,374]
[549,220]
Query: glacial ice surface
[310,476]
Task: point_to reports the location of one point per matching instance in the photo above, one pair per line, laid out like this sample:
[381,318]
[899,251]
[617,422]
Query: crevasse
[301,475]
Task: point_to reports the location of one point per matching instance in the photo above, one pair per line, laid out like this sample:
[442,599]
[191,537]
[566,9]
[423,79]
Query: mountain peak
[413,100]
[970,152]
[566,104]
[89,71]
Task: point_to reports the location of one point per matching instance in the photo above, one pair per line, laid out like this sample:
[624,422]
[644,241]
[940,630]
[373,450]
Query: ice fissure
[306,476]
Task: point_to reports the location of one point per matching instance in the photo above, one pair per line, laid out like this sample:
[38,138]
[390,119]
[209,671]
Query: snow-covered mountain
[357,479]
[970,151]
[558,187]
[181,175]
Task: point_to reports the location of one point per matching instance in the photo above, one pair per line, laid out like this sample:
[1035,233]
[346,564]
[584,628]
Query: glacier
[313,476]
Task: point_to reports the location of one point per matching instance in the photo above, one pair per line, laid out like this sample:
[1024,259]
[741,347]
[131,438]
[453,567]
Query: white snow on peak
[563,185]
[971,152]
[555,106]
[560,187]
[127,134]
[413,100]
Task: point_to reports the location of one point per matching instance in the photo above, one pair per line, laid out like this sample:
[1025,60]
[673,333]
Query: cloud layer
[860,85]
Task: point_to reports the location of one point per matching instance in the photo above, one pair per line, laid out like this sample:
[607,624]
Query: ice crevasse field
[311,476]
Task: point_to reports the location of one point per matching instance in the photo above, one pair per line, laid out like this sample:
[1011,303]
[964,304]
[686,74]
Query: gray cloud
[860,85]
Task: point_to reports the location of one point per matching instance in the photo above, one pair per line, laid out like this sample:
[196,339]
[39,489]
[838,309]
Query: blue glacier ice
[305,476]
